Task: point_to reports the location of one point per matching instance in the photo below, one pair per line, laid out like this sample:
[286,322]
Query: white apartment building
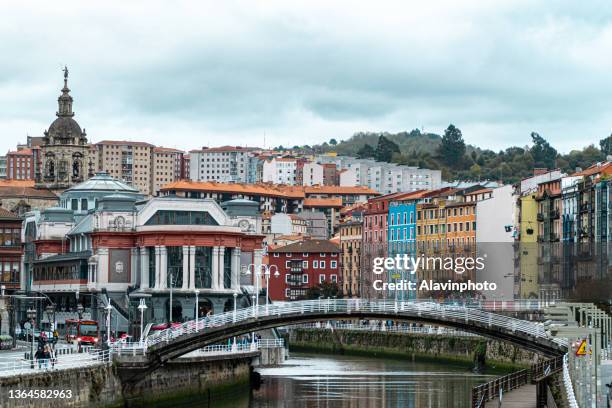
[167,164]
[312,174]
[226,164]
[280,170]
[383,177]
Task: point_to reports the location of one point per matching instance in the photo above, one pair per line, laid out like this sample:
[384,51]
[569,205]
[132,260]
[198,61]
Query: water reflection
[308,380]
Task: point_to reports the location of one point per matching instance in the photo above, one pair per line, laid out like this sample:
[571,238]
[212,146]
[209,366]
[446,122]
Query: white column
[221,267]
[163,267]
[185,267]
[257,260]
[192,249]
[215,268]
[157,266]
[235,268]
[144,268]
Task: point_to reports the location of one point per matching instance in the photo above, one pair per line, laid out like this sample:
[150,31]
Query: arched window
[50,170]
[76,168]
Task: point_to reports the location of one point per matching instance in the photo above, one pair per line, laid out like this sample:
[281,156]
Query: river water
[329,381]
[310,380]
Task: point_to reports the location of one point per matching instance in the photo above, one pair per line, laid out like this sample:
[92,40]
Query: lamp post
[50,310]
[235,296]
[142,306]
[171,287]
[267,274]
[2,309]
[256,274]
[197,304]
[80,309]
[109,310]
[31,314]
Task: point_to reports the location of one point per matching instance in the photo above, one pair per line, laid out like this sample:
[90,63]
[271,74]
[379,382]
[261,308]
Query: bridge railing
[567,384]
[429,330]
[432,310]
[21,366]
[493,389]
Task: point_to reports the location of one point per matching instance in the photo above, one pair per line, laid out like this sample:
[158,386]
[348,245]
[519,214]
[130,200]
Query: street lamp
[31,314]
[197,309]
[80,309]
[50,310]
[258,272]
[171,287]
[142,307]
[109,310]
[235,296]
[267,269]
[2,309]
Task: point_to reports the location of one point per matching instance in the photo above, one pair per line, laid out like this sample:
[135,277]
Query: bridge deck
[523,397]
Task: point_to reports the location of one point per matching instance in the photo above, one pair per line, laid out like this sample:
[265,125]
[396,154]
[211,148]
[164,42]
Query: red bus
[82,332]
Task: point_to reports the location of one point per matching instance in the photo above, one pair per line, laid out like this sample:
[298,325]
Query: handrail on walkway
[493,389]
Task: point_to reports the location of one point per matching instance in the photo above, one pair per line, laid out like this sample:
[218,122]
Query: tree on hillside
[544,155]
[366,152]
[333,142]
[385,149]
[452,147]
[606,145]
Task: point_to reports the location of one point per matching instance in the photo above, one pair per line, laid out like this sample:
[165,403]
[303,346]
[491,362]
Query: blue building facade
[401,238]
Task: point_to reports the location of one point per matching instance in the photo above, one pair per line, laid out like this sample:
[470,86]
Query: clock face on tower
[119,222]
[244,225]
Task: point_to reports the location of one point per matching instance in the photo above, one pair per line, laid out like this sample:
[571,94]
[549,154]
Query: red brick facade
[301,270]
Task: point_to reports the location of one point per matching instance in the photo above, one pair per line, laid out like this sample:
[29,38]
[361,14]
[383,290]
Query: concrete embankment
[100,386]
[477,352]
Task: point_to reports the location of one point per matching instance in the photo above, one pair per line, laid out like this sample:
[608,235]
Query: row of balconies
[552,237]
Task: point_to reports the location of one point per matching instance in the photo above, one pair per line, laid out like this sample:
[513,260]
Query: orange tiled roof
[266,190]
[339,190]
[124,142]
[16,183]
[222,149]
[323,202]
[166,150]
[22,152]
[482,190]
[263,189]
[604,168]
[290,237]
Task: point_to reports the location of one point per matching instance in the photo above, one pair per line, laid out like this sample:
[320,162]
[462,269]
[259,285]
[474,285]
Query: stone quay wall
[477,351]
[100,386]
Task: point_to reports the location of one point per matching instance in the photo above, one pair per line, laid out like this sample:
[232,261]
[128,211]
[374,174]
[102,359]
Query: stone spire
[65,100]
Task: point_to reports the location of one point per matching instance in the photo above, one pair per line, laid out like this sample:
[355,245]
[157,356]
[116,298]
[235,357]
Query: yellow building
[528,247]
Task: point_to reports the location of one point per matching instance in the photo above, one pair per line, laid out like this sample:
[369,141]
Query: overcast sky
[190,74]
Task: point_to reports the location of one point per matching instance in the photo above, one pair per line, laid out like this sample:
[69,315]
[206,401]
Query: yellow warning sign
[582,349]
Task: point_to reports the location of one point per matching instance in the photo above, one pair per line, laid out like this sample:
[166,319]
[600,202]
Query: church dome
[102,181]
[64,127]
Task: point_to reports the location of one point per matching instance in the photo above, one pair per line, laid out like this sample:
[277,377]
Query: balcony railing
[540,217]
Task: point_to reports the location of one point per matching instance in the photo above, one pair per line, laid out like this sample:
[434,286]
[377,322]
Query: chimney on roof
[609,158]
[578,169]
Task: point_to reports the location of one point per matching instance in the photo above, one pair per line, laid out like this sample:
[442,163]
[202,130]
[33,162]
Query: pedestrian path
[523,397]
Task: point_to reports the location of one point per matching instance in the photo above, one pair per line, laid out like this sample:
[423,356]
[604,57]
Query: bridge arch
[172,343]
